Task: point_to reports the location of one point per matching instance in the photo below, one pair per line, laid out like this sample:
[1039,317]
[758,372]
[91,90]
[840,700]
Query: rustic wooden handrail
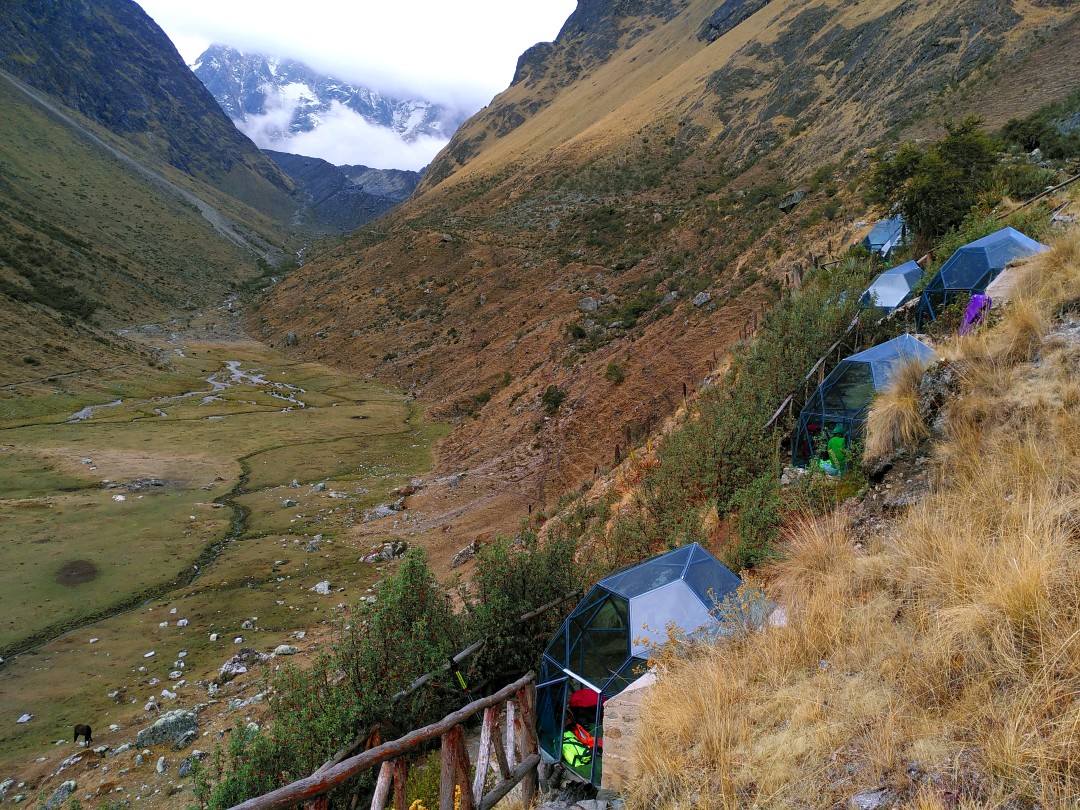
[476,645]
[818,365]
[323,781]
[1046,193]
[362,739]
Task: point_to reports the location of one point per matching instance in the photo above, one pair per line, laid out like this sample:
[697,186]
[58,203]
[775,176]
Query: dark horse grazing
[83,731]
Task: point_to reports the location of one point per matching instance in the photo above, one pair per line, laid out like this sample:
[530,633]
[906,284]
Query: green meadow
[222,505]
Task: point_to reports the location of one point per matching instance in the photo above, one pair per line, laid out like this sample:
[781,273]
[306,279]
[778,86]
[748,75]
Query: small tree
[934,188]
[552,398]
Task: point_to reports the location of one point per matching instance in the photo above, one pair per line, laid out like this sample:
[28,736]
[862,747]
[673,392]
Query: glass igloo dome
[604,644]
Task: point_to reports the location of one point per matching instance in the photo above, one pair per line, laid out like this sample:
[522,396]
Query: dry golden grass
[894,421]
[944,665]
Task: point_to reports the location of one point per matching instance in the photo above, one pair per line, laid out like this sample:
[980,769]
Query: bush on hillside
[511,579]
[726,449]
[1046,130]
[379,651]
[382,648]
[935,187]
[552,398]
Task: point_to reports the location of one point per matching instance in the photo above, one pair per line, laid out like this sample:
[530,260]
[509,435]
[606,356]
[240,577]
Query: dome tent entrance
[604,643]
[843,398]
[971,268]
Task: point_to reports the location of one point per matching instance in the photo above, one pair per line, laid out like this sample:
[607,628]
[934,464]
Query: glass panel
[593,597]
[557,648]
[852,391]
[652,574]
[605,644]
[631,671]
[651,613]
[550,706]
[709,580]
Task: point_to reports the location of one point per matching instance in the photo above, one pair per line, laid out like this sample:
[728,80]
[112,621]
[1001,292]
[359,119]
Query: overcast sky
[458,53]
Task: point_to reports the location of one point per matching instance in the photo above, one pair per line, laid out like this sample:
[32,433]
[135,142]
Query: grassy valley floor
[214,489]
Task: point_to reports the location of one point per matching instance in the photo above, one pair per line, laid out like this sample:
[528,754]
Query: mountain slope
[638,164]
[128,196]
[342,197]
[88,243]
[110,62]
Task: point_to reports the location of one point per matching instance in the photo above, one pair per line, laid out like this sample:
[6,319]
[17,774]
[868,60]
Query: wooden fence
[515,747]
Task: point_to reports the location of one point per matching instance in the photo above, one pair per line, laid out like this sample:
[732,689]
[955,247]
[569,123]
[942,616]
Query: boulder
[380,511]
[385,552]
[61,795]
[321,588]
[588,304]
[286,649]
[939,384]
[186,764]
[291,340]
[185,740]
[171,727]
[162,765]
[465,554]
[871,800]
[239,663]
[701,299]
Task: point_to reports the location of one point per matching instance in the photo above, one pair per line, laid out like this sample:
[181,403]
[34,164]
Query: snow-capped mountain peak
[275,100]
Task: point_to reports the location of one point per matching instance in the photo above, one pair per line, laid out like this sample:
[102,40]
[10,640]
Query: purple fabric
[975,313]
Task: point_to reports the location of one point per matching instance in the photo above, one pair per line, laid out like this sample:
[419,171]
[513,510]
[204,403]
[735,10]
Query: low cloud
[343,138]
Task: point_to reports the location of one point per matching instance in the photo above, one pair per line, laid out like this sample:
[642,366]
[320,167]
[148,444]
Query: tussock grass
[943,664]
[894,420]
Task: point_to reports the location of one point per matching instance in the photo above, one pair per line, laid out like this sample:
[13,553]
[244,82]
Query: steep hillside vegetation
[649,183]
[930,659]
[87,244]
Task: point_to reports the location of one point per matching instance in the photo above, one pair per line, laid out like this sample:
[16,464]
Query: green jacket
[838,452]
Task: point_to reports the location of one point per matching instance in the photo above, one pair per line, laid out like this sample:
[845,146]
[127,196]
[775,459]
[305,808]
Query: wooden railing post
[454,772]
[382,786]
[511,747]
[529,744]
[312,790]
[483,758]
[401,768]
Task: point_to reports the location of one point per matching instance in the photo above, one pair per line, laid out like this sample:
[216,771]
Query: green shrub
[379,651]
[552,398]
[726,451]
[935,187]
[615,373]
[758,511]
[1023,180]
[512,578]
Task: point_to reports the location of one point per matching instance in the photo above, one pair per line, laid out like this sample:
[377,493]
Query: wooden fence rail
[456,781]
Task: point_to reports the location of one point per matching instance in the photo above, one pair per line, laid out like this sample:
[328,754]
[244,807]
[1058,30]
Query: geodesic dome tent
[885,235]
[843,398]
[893,287]
[604,644]
[972,268]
